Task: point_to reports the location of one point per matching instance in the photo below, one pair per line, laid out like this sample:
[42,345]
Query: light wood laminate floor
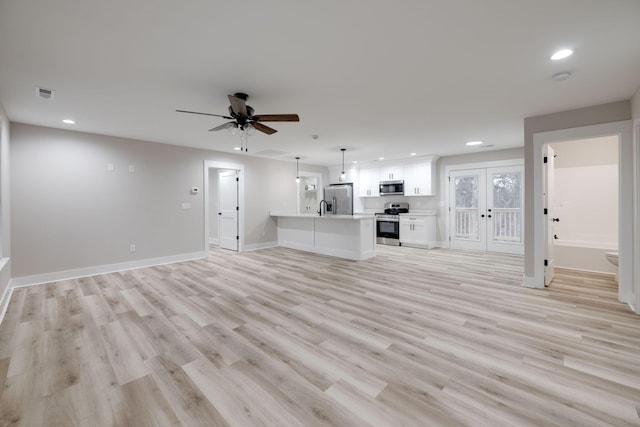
[278,337]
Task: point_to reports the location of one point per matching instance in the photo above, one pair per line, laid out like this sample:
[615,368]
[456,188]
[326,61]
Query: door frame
[214,165]
[310,175]
[623,130]
[233,173]
[479,165]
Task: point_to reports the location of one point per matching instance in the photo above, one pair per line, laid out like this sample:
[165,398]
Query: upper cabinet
[419,179]
[369,182]
[393,172]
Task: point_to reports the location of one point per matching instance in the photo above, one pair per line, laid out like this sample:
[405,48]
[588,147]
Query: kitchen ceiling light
[69,121]
[343,175]
[297,169]
[380,158]
[474,143]
[237,148]
[561,54]
[413,154]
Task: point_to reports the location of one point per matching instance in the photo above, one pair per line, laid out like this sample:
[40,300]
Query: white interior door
[547,202]
[486,209]
[228,209]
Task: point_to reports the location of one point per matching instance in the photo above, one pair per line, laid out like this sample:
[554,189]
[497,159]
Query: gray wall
[599,114]
[70,212]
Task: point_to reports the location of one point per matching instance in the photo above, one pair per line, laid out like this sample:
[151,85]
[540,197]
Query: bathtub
[585,256]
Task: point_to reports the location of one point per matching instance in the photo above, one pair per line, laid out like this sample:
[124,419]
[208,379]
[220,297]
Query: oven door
[388,230]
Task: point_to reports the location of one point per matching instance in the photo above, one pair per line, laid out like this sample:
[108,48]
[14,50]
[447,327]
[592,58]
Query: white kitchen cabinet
[369,182]
[418,230]
[419,179]
[391,173]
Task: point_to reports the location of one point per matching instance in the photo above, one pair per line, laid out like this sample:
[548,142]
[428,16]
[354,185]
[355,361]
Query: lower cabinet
[418,230]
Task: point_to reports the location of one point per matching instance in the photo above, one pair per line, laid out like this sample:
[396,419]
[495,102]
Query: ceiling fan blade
[263,128]
[204,114]
[238,105]
[223,126]
[276,118]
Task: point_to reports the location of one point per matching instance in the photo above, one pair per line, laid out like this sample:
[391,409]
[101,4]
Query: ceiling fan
[243,118]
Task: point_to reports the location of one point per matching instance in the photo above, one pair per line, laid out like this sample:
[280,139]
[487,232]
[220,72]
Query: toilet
[612,257]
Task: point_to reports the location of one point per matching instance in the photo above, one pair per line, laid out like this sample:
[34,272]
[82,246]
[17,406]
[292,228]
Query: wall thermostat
[195,190]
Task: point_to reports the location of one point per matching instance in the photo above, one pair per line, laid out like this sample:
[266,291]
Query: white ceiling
[379,78]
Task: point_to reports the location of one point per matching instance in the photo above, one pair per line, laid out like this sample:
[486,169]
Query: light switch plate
[186,206]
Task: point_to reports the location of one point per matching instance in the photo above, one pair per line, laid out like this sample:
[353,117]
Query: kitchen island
[344,236]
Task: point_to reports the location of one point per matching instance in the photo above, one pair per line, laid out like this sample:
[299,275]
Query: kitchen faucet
[326,205]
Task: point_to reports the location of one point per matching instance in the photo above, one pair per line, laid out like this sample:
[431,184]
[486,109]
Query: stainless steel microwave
[388,188]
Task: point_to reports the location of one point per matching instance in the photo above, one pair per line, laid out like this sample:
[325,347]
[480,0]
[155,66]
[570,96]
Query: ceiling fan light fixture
[470,143]
[233,128]
[343,175]
[249,129]
[297,168]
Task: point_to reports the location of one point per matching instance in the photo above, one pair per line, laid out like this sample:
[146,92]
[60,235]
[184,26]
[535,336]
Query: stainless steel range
[388,223]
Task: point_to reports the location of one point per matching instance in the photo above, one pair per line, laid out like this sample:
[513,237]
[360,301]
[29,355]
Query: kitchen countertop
[420,213]
[296,215]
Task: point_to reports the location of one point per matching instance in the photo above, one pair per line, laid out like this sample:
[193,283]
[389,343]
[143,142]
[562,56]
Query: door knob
[488,216]
[488,210]
[556,220]
[555,236]
[219,213]
[482,216]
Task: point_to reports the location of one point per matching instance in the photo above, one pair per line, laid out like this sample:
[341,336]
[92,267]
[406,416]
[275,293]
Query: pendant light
[297,169]
[343,175]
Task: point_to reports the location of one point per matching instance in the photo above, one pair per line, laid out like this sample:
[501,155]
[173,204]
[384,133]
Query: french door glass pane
[466,206]
[507,212]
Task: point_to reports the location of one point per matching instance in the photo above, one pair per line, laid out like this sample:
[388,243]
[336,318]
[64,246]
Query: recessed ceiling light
[474,143]
[413,154]
[237,148]
[561,54]
[355,161]
[69,121]
[380,158]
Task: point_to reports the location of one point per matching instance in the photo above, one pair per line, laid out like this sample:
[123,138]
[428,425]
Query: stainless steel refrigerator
[339,199]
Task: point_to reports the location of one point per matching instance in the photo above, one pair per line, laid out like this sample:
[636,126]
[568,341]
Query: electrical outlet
[110,167]
[132,168]
[132,247]
[186,206]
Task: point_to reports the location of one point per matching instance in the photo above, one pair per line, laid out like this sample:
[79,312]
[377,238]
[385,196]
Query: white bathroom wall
[586,202]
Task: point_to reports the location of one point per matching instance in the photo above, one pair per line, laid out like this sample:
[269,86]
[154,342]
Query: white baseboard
[264,245]
[38,279]
[531,282]
[214,241]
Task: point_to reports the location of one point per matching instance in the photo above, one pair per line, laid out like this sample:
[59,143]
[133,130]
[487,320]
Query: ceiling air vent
[45,93]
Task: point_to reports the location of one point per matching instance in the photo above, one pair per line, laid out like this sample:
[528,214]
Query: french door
[485,208]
